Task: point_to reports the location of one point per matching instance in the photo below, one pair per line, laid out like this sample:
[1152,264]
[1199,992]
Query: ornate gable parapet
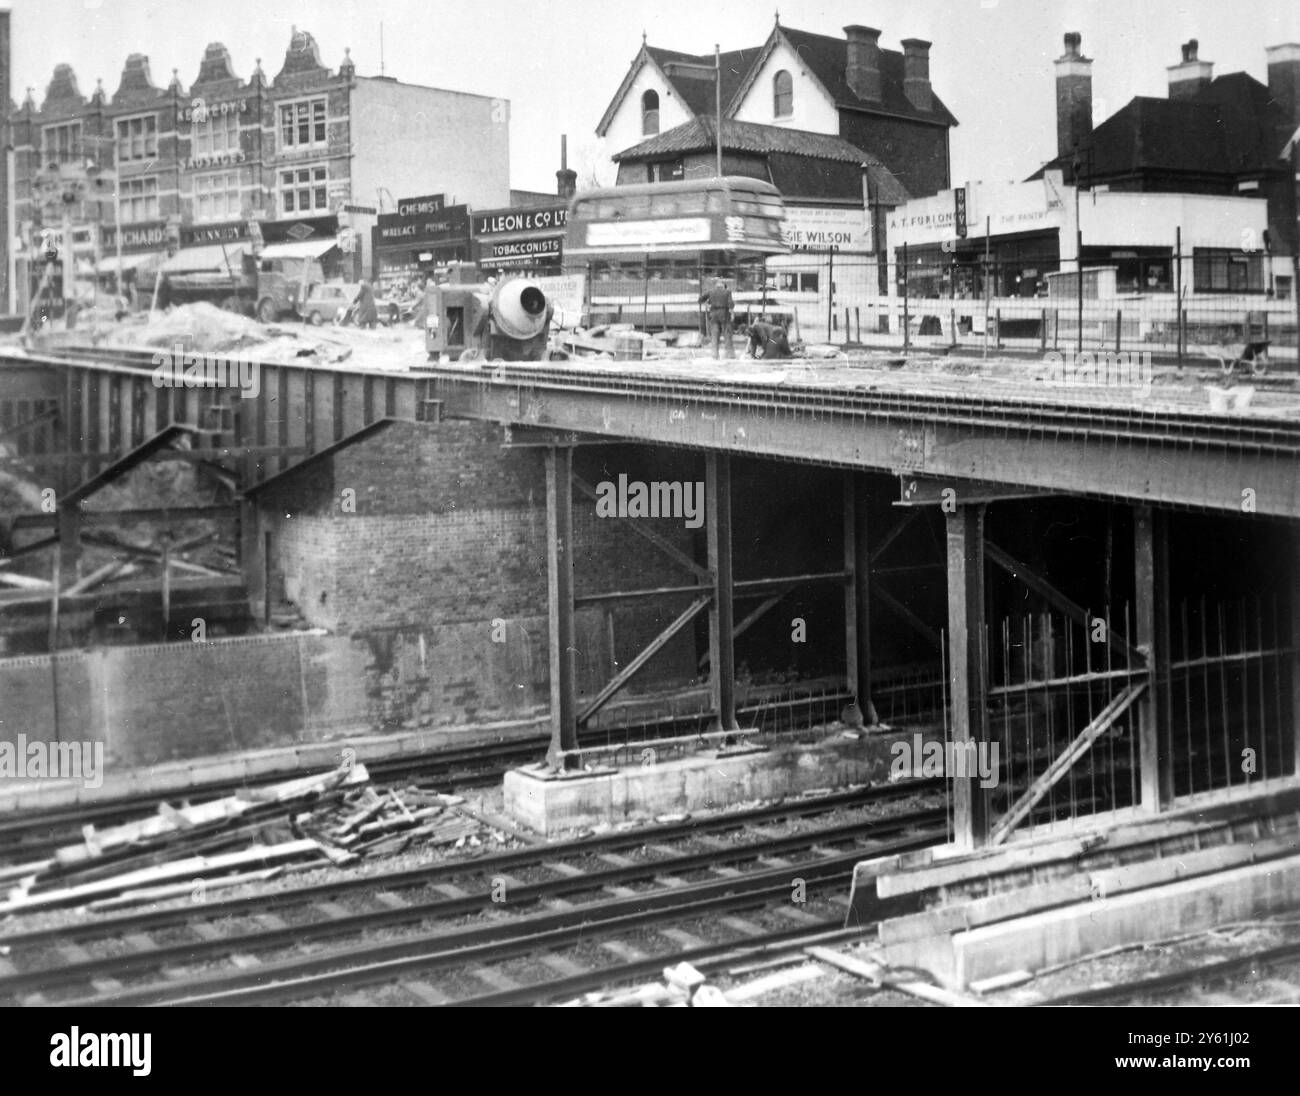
[136,88]
[302,64]
[62,96]
[216,66]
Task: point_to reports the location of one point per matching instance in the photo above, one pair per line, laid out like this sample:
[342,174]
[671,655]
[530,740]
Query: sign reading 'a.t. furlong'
[657,499]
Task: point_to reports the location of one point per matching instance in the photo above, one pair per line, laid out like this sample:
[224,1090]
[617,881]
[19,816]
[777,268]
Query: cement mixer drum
[520,309]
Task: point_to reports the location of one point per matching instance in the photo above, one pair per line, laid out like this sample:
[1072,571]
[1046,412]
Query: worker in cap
[720,306]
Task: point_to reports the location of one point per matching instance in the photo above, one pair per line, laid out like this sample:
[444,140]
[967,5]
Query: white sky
[560,61]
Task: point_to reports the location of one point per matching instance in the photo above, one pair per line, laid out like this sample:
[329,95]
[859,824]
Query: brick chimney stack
[1284,80]
[862,64]
[916,73]
[1191,74]
[1073,96]
[566,179]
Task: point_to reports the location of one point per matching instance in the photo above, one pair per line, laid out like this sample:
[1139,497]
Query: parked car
[329,302]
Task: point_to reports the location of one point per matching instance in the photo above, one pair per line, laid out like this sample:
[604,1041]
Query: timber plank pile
[335,818]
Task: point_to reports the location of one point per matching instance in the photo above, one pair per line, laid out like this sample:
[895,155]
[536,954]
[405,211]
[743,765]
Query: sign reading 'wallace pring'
[451,223]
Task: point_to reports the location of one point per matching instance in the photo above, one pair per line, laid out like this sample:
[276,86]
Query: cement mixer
[467,319]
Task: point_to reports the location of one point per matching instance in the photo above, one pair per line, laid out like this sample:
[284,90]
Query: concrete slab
[1070,932]
[558,803]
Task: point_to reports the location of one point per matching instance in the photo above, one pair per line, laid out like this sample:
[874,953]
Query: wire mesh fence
[1193,309]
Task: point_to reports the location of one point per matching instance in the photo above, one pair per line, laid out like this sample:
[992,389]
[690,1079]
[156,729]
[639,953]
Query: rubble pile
[336,818]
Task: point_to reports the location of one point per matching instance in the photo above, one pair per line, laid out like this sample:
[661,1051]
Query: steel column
[559,597]
[857,597]
[1294,614]
[722,653]
[1151,590]
[967,666]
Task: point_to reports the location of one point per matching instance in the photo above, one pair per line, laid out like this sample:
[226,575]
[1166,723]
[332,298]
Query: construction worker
[367,313]
[720,306]
[768,341]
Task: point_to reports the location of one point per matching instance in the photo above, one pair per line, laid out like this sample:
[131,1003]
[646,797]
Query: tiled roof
[781,146]
[698,95]
[827,58]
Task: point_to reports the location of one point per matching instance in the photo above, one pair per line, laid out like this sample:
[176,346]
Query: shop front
[413,242]
[306,240]
[531,239]
[999,239]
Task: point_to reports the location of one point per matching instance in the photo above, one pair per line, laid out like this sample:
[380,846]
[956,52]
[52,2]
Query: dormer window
[649,113]
[782,95]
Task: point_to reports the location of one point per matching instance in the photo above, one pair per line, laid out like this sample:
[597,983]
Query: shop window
[1222,270]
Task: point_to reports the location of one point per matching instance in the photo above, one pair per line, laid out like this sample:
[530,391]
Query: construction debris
[335,818]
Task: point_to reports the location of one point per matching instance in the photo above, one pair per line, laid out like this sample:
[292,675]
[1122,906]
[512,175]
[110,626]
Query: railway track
[465,919]
[1160,987]
[32,835]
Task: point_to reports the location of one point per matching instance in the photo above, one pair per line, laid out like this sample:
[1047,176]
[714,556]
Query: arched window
[782,95]
[650,113]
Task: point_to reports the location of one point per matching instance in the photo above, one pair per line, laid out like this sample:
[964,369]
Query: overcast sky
[560,61]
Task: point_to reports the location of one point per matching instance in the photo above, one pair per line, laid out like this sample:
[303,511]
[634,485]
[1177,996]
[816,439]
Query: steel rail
[449,869]
[527,894]
[1179,979]
[316,974]
[708,958]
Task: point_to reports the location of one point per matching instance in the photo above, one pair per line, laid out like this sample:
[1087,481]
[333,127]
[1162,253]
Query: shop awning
[213,257]
[139,261]
[299,249]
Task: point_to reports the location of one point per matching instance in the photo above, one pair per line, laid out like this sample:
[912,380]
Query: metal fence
[1201,314]
[1064,708]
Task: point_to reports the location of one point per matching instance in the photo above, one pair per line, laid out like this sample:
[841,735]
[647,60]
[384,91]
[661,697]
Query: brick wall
[164,702]
[448,536]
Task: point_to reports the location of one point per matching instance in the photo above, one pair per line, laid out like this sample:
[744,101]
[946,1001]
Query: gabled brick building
[879,100]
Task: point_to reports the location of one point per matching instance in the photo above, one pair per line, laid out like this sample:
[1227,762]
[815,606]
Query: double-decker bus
[651,249]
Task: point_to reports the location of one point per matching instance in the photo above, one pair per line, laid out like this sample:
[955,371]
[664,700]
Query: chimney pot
[1191,75]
